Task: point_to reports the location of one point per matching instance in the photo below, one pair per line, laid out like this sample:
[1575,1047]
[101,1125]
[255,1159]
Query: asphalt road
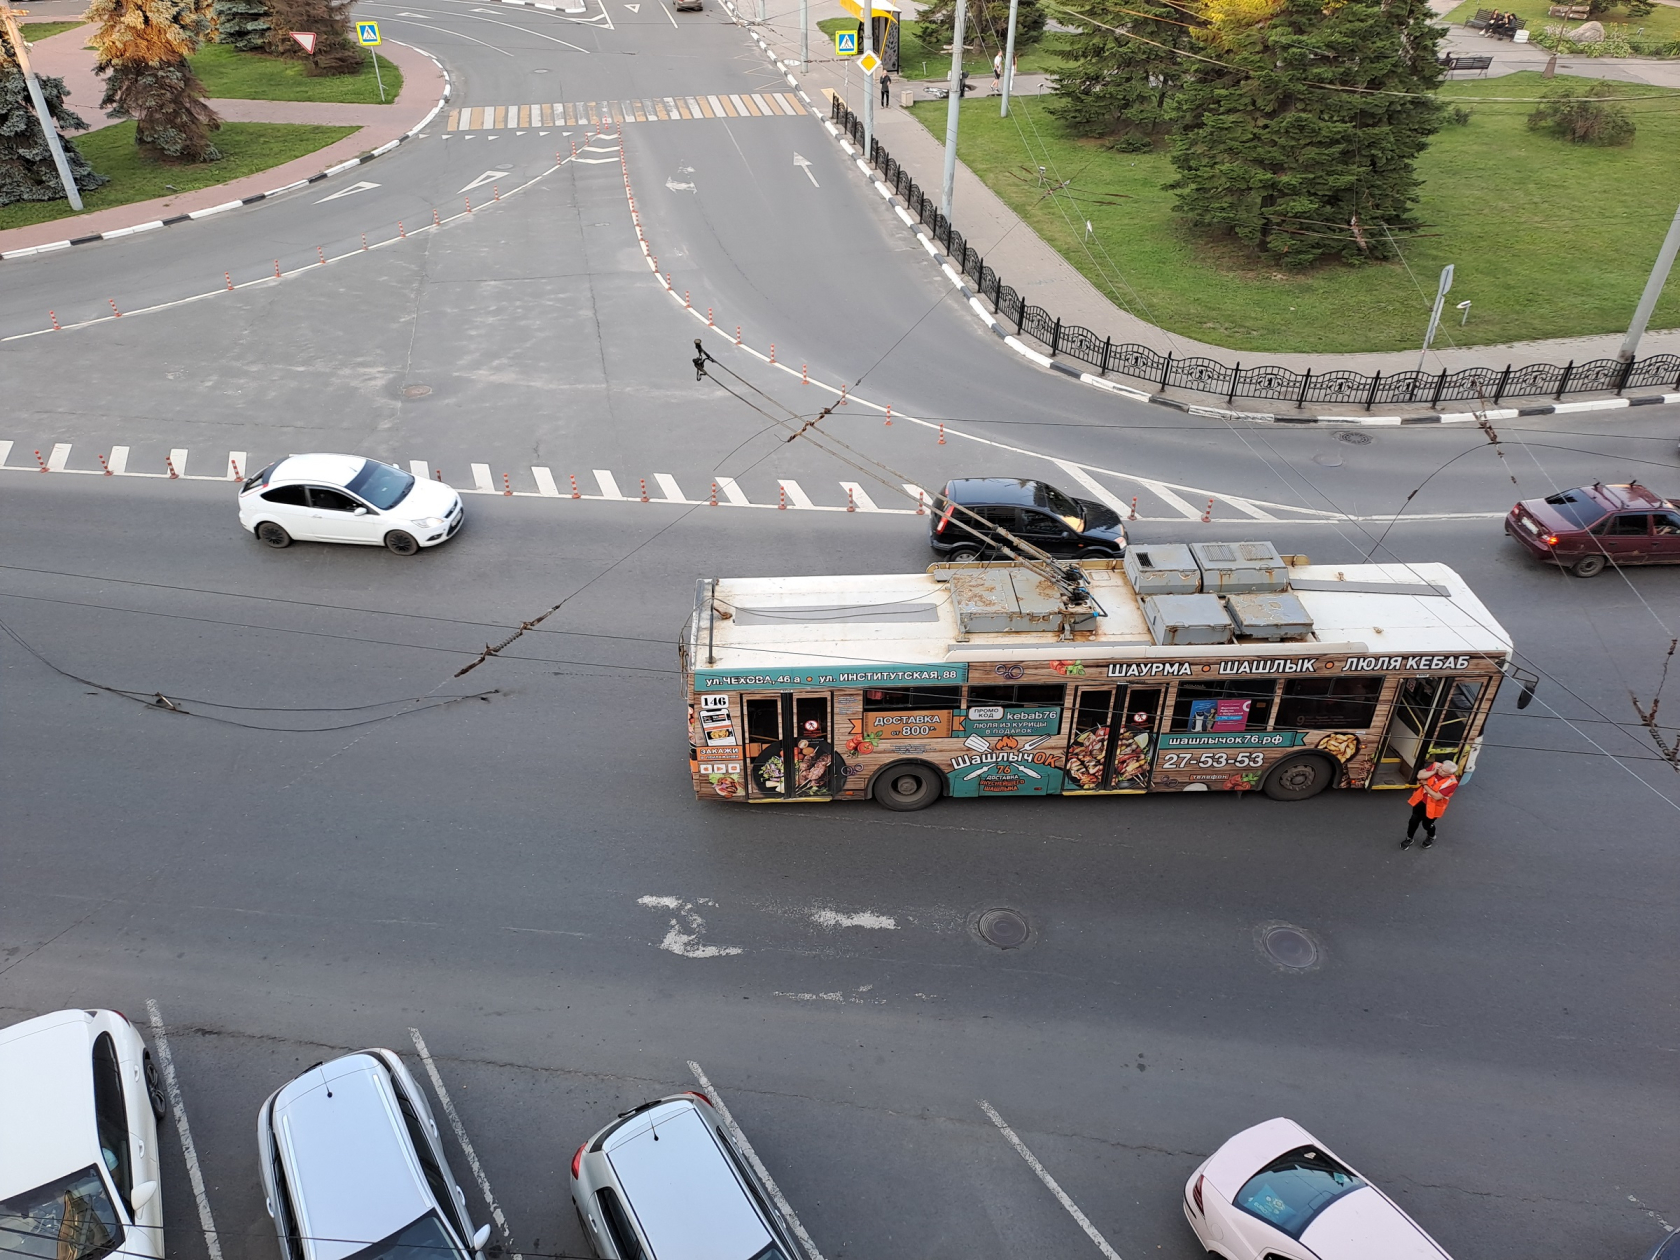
[512,863]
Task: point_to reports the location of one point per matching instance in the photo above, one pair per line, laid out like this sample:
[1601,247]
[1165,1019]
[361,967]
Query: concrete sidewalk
[1046,279]
[67,56]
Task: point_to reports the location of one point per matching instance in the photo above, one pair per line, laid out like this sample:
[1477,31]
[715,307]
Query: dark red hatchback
[1592,526]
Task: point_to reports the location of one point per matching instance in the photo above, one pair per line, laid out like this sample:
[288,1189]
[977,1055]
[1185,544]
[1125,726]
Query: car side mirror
[480,1238]
[143,1194]
[361,511]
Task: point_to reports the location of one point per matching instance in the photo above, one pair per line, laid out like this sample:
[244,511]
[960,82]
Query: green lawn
[1664,23]
[35,32]
[226,72]
[926,61]
[1548,239]
[246,149]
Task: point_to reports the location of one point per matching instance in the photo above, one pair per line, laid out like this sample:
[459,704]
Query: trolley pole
[1009,58]
[9,17]
[1653,290]
[868,83]
[952,111]
[804,34]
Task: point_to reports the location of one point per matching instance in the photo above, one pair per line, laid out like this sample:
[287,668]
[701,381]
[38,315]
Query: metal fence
[1488,386]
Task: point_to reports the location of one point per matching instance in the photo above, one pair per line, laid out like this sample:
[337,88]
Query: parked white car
[79,1104]
[348,499]
[1274,1192]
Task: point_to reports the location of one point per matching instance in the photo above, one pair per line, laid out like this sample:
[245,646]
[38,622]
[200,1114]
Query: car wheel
[154,1088]
[1298,777]
[962,554]
[273,535]
[399,542]
[1588,566]
[907,786]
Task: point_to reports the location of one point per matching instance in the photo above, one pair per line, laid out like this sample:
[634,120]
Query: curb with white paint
[339,169]
[1138,395]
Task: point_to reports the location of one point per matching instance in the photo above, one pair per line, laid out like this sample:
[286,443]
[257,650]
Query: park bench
[1454,62]
[1481,20]
[1571,12]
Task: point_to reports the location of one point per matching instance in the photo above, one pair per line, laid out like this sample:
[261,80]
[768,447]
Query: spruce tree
[1124,66]
[336,48]
[1303,143]
[986,24]
[143,47]
[27,171]
[243,24]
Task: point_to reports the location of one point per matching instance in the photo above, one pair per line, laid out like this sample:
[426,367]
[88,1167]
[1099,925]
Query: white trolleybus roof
[1172,601]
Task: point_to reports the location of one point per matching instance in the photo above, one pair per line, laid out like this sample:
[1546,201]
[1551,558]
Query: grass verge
[918,60]
[1662,23]
[1548,239]
[35,32]
[246,149]
[229,73]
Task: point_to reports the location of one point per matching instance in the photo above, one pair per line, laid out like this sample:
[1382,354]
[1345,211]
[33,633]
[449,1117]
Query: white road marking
[484,179]
[1049,1182]
[740,1139]
[804,164]
[863,919]
[860,496]
[795,494]
[1160,491]
[668,485]
[732,492]
[117,463]
[922,498]
[669,16]
[461,1137]
[166,1063]
[545,482]
[687,944]
[481,479]
[178,460]
[419,469]
[5,453]
[58,457]
[608,484]
[349,192]
[239,467]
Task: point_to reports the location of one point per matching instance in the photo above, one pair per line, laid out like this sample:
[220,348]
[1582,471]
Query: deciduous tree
[143,47]
[27,172]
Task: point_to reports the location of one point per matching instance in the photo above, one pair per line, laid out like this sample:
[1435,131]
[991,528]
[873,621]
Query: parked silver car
[664,1182]
[352,1165]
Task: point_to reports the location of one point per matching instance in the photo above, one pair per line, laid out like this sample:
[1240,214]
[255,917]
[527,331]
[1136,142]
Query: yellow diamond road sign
[869,63]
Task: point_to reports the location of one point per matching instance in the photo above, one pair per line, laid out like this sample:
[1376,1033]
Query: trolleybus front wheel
[1299,777]
[907,785]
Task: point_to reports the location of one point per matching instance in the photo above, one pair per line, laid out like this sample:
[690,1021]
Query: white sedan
[79,1106]
[348,499]
[1274,1192]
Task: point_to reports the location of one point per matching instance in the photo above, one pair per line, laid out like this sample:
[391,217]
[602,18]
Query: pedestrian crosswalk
[1137,499]
[618,113]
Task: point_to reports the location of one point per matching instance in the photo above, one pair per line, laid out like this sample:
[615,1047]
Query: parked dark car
[1034,511]
[1591,526]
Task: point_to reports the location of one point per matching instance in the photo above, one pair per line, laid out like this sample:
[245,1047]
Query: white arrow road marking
[804,163]
[348,192]
[676,186]
[634,8]
[485,179]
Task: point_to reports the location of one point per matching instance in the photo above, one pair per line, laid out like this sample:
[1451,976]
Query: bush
[1641,8]
[1583,116]
[1133,144]
[1459,116]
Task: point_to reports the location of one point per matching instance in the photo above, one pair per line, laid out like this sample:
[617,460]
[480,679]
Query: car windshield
[68,1219]
[1063,507]
[1291,1191]
[381,485]
[423,1239]
[1578,507]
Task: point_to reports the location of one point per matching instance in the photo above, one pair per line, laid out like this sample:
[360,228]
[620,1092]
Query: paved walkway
[1046,279]
[67,56]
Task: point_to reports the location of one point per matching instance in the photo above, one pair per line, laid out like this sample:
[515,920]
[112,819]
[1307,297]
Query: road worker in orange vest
[1435,787]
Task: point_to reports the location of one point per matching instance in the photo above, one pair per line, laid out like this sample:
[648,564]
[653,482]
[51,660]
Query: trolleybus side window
[904,699]
[764,721]
[1019,696]
[1460,707]
[1218,706]
[1318,704]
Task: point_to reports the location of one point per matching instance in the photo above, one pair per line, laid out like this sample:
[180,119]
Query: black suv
[1033,511]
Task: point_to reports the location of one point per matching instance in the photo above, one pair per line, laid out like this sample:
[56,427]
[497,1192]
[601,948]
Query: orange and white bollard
[468,200]
[401,230]
[709,323]
[921,504]
[434,216]
[737,334]
[228,276]
[889,416]
[575,492]
[713,501]
[644,489]
[842,401]
[323,255]
[1133,516]
[53,315]
[942,433]
[781,495]
[168,462]
[507,486]
[114,310]
[43,463]
[1208,515]
[668,282]
[105,466]
[497,190]
[687,304]
[804,373]
[851,500]
[233,469]
[364,242]
[277,269]
[437,474]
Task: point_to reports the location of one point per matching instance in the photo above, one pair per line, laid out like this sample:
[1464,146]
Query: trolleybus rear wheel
[907,785]
[1299,777]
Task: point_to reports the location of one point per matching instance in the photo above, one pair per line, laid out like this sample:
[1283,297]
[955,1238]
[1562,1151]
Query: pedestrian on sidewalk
[1436,785]
[997,73]
[886,90]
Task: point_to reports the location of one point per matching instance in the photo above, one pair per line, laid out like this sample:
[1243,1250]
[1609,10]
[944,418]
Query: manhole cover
[416,391]
[1007,929]
[1289,946]
[1327,459]
[1354,437]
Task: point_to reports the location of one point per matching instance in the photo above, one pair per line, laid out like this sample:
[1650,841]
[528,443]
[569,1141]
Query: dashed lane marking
[1049,1182]
[172,1087]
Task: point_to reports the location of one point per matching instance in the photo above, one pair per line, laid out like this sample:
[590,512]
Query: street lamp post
[9,16]
[868,82]
[953,111]
[1009,59]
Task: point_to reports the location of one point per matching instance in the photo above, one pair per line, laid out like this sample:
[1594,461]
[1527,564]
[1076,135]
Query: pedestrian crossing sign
[845,43]
[367,33]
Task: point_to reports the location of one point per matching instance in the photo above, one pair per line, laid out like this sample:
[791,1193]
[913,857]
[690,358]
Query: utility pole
[1009,58]
[9,17]
[1653,290]
[804,34]
[953,109]
[868,7]
[1435,315]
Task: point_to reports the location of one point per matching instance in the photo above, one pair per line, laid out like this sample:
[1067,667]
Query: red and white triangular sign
[306,39]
